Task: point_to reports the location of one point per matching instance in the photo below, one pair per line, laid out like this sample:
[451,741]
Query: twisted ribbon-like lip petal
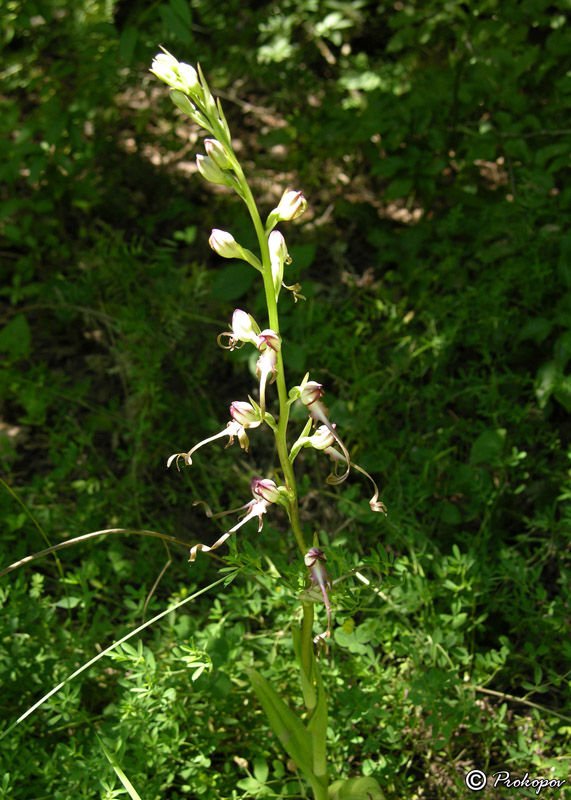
[232,429]
[256,509]
[233,342]
[315,560]
[374,502]
[319,412]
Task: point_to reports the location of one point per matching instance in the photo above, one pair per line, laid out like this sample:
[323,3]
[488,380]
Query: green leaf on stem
[287,726]
[307,687]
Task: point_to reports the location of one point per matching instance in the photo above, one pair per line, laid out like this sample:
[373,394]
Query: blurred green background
[432,142]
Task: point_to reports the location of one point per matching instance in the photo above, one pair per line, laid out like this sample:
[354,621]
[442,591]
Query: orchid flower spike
[264,492]
[314,560]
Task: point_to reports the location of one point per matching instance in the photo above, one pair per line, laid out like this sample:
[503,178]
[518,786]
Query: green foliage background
[432,142]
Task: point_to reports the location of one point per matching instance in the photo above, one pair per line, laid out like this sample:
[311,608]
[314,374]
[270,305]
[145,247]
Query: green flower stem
[319,726]
[280,433]
[307,656]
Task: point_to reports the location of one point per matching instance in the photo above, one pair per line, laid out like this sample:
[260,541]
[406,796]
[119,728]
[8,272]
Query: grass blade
[111,647]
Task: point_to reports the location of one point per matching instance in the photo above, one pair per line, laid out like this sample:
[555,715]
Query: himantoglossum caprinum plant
[304,740]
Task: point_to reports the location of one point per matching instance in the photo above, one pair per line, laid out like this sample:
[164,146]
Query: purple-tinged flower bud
[224,244]
[271,339]
[215,150]
[310,392]
[314,554]
[245,414]
[266,489]
[291,206]
[211,172]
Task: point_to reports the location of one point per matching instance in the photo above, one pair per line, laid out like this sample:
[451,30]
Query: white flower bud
[176,74]
[215,150]
[245,328]
[278,257]
[224,244]
[277,247]
[165,67]
[189,78]
[291,206]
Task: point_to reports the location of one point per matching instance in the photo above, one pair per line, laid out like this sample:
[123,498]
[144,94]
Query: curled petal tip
[233,343]
[376,505]
[176,457]
[204,548]
[335,480]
